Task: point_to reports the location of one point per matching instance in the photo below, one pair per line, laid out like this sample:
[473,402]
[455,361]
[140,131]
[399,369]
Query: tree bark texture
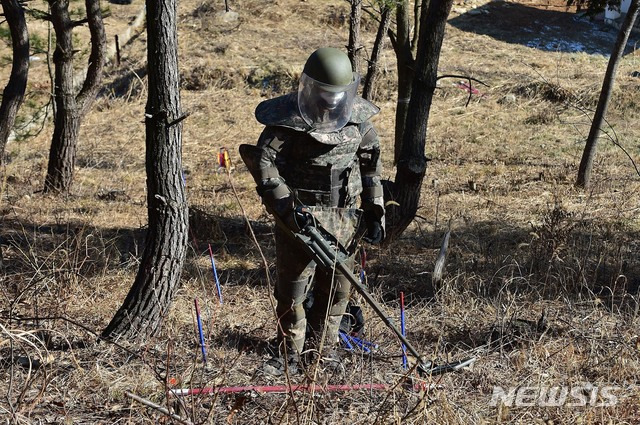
[418,6]
[412,162]
[589,153]
[158,277]
[376,51]
[13,93]
[71,108]
[405,65]
[354,34]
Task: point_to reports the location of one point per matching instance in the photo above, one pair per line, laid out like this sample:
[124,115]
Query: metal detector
[327,252]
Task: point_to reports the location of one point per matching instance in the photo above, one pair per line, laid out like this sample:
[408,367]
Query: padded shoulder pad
[369,135]
[362,110]
[251,157]
[283,111]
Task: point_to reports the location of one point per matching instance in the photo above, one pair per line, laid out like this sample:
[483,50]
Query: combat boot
[328,360]
[277,366]
[331,361]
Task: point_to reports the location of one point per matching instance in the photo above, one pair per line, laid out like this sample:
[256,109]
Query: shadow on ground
[562,257]
[543,29]
[79,250]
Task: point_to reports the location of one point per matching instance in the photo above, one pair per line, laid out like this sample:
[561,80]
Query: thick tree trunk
[158,277]
[13,93]
[71,108]
[66,125]
[62,154]
[418,6]
[589,153]
[354,34]
[376,51]
[404,63]
[412,163]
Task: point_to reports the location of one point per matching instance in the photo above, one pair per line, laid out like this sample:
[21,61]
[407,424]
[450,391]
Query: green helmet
[329,66]
[327,90]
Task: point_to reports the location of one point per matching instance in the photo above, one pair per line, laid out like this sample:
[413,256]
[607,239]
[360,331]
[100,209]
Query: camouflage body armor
[318,150]
[328,172]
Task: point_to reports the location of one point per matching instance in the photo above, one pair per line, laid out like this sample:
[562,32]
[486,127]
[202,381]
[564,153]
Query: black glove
[375,233]
[297,219]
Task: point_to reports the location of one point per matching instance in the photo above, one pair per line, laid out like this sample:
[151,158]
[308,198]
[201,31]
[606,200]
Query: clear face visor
[324,107]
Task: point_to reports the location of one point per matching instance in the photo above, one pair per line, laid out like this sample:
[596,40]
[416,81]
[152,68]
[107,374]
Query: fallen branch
[158,408]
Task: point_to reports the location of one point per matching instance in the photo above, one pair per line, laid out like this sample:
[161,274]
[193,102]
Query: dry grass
[524,241]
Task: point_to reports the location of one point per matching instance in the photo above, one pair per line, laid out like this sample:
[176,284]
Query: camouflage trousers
[297,276]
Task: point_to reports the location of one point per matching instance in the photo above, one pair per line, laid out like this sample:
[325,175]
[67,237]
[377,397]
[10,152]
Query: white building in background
[612,13]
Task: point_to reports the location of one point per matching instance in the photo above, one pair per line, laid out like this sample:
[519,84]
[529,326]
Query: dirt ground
[541,282]
[548,26]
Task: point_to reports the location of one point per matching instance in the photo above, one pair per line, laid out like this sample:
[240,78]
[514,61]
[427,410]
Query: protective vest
[294,165]
[321,169]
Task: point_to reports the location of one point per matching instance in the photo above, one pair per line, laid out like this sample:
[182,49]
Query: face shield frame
[324,107]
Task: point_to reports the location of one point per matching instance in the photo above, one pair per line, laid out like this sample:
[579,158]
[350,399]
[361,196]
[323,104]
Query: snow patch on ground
[556,45]
[550,40]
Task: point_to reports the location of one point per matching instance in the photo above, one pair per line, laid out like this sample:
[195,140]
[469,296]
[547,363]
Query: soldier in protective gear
[318,150]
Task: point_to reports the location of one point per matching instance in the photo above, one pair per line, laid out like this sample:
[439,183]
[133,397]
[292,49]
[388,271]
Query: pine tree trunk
[404,64]
[589,153]
[354,34]
[13,93]
[412,163]
[158,277]
[71,108]
[62,154]
[65,133]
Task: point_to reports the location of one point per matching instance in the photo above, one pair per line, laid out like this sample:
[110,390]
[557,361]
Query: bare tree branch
[79,22]
[466,77]
[38,14]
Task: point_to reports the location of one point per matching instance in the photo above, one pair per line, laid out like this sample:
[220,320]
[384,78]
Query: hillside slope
[525,243]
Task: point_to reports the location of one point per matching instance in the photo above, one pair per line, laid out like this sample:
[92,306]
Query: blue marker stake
[359,344]
[405,363]
[366,345]
[201,334]
[215,274]
[345,339]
